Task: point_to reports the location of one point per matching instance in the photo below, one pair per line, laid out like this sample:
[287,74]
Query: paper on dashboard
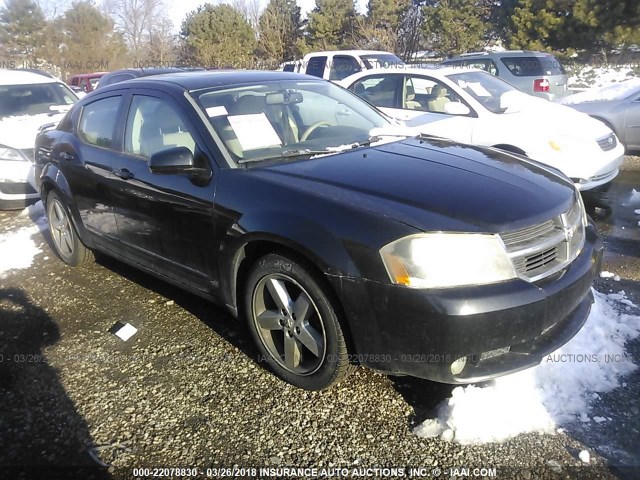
[254,131]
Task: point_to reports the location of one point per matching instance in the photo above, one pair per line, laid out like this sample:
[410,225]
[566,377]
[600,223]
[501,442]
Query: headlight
[438,260]
[7,153]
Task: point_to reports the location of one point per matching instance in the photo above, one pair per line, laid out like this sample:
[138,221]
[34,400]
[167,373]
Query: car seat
[438,100]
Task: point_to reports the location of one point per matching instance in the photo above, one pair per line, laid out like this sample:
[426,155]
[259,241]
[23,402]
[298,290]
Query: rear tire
[294,323]
[64,236]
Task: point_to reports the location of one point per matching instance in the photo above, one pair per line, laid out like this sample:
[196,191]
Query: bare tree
[250,10]
[136,19]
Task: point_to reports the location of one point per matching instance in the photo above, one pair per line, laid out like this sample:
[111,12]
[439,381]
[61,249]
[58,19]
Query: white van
[339,64]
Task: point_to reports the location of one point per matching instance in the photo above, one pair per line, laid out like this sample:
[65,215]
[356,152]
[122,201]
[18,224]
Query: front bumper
[497,329]
[16,190]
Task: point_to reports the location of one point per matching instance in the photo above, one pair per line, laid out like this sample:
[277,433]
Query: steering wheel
[312,129]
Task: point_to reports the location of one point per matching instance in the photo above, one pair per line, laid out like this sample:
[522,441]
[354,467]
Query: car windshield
[533,66]
[16,100]
[282,119]
[483,87]
[380,60]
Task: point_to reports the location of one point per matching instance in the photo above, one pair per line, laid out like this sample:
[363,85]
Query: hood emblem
[568,234]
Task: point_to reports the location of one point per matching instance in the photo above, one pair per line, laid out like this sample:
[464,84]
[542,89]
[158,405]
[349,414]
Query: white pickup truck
[336,65]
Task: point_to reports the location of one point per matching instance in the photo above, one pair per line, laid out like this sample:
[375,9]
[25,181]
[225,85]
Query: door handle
[123,173]
[67,156]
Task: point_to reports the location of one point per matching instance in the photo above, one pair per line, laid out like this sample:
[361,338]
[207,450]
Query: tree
[137,19]
[534,25]
[331,24]
[386,13]
[452,27]
[279,31]
[218,36]
[603,26]
[410,35]
[87,40]
[22,29]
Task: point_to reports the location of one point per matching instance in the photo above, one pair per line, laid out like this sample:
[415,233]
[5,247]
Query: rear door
[85,158]
[164,221]
[632,124]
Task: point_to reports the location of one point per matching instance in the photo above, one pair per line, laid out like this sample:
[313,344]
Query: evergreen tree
[452,27]
[331,24]
[279,31]
[218,36]
[22,29]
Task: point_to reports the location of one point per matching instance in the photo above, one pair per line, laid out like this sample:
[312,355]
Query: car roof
[351,52]
[22,77]
[506,53]
[199,80]
[89,75]
[432,72]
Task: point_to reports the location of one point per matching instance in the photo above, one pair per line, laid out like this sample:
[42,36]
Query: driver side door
[165,221]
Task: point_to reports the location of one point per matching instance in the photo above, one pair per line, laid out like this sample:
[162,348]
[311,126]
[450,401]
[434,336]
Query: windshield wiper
[288,154]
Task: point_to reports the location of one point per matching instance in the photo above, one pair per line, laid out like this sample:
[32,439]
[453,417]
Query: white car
[472,106]
[27,102]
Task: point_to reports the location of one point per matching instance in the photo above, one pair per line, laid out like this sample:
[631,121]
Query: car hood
[544,118]
[20,131]
[434,184]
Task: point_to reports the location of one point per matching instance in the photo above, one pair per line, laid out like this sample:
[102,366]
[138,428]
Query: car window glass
[267,120]
[316,66]
[154,125]
[533,66]
[342,66]
[379,90]
[18,100]
[98,120]
[427,95]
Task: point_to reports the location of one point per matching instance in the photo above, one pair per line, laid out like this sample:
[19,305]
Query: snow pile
[589,77]
[611,91]
[555,392]
[18,247]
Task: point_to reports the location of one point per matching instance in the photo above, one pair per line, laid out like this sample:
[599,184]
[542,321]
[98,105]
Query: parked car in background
[87,82]
[536,73]
[616,105]
[304,210]
[28,101]
[131,73]
[338,64]
[472,106]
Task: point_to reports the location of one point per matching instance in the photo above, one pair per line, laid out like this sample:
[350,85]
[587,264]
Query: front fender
[292,232]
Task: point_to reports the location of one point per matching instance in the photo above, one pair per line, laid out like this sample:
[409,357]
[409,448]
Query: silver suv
[535,73]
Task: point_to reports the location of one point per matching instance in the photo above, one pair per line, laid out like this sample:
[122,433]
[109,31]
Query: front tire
[294,323]
[66,241]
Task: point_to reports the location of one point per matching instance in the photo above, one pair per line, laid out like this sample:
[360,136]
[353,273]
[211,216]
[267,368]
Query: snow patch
[18,246]
[594,77]
[557,391]
[612,91]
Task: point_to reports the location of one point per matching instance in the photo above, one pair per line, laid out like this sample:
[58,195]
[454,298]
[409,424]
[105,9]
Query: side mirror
[456,108]
[174,161]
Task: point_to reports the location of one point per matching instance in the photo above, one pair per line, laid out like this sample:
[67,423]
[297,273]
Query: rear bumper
[497,329]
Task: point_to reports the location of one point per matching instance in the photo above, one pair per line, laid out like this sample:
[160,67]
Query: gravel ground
[189,390]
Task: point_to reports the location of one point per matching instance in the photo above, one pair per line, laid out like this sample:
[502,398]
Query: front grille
[608,143]
[540,250]
[28,152]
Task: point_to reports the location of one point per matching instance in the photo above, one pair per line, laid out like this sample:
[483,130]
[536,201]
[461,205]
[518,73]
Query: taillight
[541,85]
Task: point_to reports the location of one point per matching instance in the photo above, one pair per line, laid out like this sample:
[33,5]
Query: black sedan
[299,207]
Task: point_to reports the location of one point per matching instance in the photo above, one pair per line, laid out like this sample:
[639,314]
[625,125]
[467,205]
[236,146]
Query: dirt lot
[188,390]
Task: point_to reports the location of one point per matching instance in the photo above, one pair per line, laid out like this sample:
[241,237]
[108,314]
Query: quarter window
[154,125]
[98,121]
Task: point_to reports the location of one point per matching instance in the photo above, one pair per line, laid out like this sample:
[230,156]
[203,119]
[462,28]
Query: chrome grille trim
[608,143]
[540,250]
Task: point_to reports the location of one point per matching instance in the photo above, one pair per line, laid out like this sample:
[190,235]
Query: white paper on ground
[254,131]
[126,332]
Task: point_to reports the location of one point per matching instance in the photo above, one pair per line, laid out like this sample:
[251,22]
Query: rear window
[533,66]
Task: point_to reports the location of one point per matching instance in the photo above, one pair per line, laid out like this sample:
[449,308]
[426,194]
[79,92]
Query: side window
[342,66]
[316,66]
[98,121]
[154,125]
[379,90]
[427,95]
